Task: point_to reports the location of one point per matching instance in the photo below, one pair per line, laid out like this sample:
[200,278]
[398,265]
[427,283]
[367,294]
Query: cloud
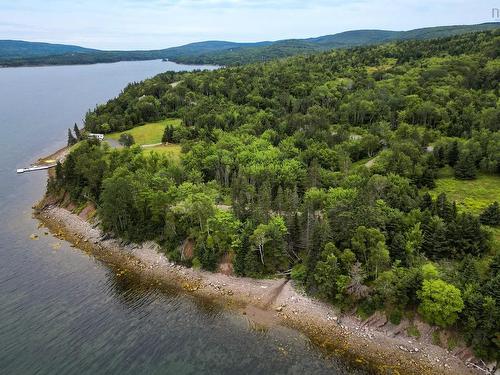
[241,4]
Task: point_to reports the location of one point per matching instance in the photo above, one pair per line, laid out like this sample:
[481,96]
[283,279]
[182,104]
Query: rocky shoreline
[265,302]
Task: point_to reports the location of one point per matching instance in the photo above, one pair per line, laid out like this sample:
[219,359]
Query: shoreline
[45,65]
[267,302]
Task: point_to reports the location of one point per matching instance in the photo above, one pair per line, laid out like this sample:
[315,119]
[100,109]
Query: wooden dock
[35,168]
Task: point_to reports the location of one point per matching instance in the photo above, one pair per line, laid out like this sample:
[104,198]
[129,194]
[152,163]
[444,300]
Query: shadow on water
[134,290]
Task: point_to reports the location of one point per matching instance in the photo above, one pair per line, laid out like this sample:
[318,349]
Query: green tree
[453,153]
[440,302]
[126,140]
[168,134]
[268,241]
[465,169]
[369,246]
[71,139]
[491,215]
[78,135]
[326,273]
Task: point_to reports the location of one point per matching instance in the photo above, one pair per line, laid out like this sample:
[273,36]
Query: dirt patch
[187,249]
[88,211]
[226,264]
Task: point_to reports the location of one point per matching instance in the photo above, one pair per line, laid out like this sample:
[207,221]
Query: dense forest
[19,53]
[320,167]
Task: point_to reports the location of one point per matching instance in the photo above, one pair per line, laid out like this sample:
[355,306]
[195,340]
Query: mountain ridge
[219,52]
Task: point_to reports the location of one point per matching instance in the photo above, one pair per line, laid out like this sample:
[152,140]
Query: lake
[64,312]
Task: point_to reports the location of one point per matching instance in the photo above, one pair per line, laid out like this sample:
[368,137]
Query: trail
[274,294]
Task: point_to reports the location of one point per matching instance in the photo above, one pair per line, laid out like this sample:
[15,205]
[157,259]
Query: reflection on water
[64,312]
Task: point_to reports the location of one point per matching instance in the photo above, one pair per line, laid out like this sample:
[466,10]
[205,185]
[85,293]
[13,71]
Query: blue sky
[147,24]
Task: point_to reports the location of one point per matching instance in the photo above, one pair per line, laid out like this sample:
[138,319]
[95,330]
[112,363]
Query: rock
[279,308]
[34,236]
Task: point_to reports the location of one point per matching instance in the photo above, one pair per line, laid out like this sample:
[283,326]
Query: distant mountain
[345,39]
[15,49]
[19,53]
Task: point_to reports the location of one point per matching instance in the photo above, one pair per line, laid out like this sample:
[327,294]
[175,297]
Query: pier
[35,168]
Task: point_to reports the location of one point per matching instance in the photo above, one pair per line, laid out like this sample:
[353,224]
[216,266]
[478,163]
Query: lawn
[169,149]
[147,134]
[471,195]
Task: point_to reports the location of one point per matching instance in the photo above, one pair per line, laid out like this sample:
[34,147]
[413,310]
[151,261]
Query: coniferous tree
[453,154]
[491,215]
[427,202]
[465,169]
[168,134]
[443,208]
[78,134]
[71,139]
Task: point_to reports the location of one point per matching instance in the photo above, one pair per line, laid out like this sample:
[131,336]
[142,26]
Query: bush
[196,263]
[298,273]
[126,140]
[441,302]
[395,316]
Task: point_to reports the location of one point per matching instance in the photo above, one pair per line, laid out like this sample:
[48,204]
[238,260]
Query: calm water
[64,312]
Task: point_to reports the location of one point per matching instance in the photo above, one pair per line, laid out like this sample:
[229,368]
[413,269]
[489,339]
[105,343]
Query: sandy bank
[266,302]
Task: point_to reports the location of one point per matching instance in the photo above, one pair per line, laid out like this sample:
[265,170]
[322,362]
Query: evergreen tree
[467,236]
[443,208]
[71,139]
[427,178]
[465,169]
[427,202]
[491,215]
[59,171]
[78,135]
[168,134]
[453,154]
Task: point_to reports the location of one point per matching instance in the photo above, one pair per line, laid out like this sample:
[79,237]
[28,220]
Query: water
[64,312]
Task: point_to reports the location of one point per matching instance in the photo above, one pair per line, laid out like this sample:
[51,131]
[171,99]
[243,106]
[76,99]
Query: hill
[18,49]
[19,53]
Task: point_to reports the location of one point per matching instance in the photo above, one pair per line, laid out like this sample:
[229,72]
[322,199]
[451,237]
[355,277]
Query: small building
[97,136]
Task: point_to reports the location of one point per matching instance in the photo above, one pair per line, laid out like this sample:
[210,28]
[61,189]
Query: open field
[169,149]
[150,133]
[471,195]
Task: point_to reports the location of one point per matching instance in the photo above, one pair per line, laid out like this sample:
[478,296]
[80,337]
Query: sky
[155,24]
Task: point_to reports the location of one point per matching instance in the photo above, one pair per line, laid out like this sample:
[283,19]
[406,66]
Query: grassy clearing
[172,150]
[471,195]
[147,134]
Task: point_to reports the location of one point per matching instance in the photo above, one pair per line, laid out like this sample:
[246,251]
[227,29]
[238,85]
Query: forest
[321,167]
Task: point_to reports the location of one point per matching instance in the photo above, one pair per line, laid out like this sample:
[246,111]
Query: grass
[169,149]
[147,134]
[471,195]
[413,331]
